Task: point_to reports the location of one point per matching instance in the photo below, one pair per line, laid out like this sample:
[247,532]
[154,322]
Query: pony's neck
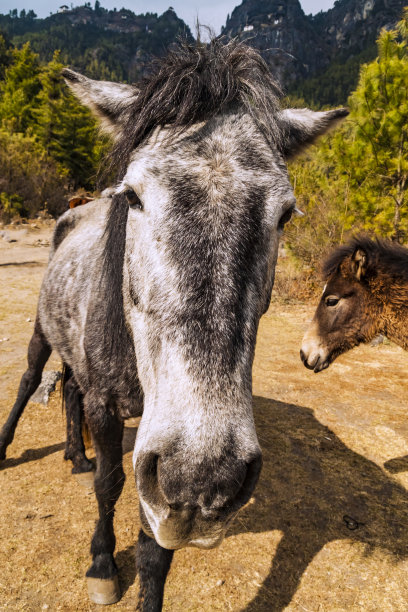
[396,326]
[394,318]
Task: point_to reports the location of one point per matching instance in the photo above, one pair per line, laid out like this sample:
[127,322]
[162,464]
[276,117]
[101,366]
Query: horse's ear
[301,126]
[359,263]
[111,102]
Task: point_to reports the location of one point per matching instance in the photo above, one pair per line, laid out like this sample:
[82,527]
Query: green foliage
[65,128]
[49,142]
[30,180]
[10,204]
[20,88]
[376,160]
[357,177]
[324,195]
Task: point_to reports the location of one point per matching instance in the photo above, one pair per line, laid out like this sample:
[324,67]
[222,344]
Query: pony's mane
[382,255]
[193,83]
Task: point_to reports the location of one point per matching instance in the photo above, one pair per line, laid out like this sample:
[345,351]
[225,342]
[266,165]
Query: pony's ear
[301,126]
[359,263]
[111,102]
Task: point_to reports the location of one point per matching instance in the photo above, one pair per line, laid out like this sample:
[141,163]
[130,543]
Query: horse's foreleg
[38,353]
[107,431]
[152,564]
[74,448]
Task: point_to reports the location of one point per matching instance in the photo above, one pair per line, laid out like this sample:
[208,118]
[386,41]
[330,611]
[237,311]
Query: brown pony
[366,294]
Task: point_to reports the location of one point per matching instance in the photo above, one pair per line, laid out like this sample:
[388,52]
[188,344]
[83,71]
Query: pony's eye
[285,218]
[133,199]
[332,301]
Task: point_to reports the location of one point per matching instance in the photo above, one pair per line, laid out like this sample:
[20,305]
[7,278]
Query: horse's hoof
[86,479]
[103,592]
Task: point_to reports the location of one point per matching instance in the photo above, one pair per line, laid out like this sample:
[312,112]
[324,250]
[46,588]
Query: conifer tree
[65,128]
[356,178]
[19,90]
[373,151]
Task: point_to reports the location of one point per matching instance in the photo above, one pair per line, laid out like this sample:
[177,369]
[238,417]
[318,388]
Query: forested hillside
[316,57]
[104,44]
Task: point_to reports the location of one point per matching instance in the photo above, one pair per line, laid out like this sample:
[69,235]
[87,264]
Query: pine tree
[20,89]
[65,128]
[375,157]
[356,178]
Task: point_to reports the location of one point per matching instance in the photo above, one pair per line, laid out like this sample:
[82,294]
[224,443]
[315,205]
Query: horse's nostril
[146,474]
[251,478]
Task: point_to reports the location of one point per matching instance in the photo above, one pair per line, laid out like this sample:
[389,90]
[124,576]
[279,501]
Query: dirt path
[326,530]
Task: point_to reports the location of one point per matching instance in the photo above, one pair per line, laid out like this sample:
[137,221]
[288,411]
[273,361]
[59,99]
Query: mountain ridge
[316,57]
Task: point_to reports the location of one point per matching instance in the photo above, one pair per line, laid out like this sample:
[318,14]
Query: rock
[6,237]
[28,320]
[377,340]
[48,383]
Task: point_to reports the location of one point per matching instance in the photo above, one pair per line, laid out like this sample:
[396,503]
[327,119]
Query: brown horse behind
[366,294]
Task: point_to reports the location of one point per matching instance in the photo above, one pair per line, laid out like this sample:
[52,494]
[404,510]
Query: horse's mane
[195,82]
[382,255]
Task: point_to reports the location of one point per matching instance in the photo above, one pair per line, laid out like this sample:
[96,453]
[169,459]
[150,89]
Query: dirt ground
[324,532]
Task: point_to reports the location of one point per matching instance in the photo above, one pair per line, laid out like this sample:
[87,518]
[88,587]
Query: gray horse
[153,296]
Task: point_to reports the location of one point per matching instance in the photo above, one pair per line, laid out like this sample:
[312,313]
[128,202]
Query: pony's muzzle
[313,353]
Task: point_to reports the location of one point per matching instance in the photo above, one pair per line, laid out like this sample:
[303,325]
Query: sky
[209,12]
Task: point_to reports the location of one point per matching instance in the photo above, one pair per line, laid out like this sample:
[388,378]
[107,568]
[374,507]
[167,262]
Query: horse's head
[203,198]
[349,309]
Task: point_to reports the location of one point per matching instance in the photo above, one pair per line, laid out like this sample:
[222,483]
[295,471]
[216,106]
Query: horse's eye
[332,301]
[285,218]
[133,199]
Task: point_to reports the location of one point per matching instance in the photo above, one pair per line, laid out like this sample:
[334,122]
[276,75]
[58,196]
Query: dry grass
[327,442]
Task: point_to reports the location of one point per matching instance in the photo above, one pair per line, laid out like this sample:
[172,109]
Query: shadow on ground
[22,263]
[31,454]
[314,489]
[126,562]
[397,465]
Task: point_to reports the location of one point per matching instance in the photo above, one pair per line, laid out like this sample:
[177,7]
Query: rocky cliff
[298,46]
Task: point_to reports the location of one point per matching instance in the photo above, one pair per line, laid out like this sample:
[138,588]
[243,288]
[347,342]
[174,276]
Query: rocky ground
[326,530]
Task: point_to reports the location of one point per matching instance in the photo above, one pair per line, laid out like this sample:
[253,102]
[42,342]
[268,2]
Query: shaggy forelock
[381,254]
[193,83]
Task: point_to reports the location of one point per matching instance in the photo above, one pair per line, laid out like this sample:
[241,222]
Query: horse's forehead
[228,155]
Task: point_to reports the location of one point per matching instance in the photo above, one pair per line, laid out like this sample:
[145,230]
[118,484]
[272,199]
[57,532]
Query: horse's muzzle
[193,507]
